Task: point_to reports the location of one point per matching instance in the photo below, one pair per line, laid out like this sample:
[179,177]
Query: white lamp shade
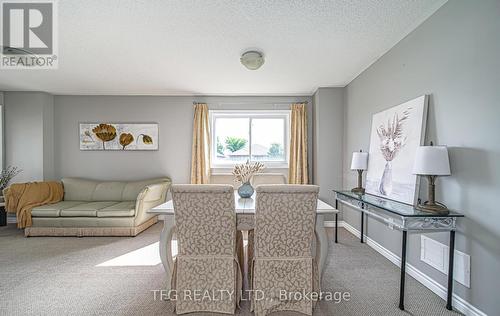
[432,160]
[359,161]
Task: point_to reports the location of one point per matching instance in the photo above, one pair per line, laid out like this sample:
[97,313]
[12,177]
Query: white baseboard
[332,224]
[458,303]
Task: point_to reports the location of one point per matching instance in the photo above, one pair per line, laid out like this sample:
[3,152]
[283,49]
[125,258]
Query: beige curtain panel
[200,152]
[297,173]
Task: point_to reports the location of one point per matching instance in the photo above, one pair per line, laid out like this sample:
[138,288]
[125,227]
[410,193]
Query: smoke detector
[252,60]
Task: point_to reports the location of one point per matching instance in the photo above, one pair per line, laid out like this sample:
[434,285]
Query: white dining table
[245,211]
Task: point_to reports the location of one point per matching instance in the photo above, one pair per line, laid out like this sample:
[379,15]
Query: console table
[406,218]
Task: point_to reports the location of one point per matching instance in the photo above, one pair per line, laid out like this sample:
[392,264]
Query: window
[238,136]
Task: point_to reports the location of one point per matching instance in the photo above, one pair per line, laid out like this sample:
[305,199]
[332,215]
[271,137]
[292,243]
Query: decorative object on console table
[360,163]
[431,162]
[396,134]
[243,173]
[118,136]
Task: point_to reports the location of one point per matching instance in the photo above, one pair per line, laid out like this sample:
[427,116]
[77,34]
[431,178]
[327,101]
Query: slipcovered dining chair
[208,244]
[268,178]
[283,259]
[259,179]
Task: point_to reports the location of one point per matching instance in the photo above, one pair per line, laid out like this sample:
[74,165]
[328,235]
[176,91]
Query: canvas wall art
[395,135]
[118,136]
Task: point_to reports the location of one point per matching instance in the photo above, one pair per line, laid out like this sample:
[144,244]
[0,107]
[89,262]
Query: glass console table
[406,218]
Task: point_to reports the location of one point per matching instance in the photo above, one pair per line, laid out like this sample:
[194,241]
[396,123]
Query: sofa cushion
[109,191]
[76,189]
[123,209]
[86,209]
[53,210]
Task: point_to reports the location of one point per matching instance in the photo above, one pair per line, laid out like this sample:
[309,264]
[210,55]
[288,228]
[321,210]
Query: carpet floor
[120,276]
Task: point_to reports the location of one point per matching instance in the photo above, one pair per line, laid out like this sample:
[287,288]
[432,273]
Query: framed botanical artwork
[395,135]
[118,136]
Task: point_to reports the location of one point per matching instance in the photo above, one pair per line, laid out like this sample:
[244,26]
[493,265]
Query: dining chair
[208,247]
[268,178]
[259,179]
[222,178]
[283,259]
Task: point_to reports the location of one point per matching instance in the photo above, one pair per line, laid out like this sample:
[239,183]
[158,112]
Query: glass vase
[245,190]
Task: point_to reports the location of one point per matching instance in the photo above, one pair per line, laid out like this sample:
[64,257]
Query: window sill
[229,168]
[267,166]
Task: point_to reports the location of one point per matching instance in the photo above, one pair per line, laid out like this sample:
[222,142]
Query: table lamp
[360,163]
[431,162]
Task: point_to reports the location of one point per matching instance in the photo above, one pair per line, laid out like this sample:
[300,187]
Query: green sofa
[96,208]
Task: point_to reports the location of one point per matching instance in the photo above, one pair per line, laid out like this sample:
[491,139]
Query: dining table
[245,220]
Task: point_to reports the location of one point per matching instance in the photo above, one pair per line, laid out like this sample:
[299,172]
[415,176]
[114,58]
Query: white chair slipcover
[283,248]
[208,247]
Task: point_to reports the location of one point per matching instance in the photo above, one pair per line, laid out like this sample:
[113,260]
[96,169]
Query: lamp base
[435,207]
[358,190]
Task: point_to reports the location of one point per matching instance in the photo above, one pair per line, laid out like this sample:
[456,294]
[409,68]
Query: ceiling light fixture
[252,60]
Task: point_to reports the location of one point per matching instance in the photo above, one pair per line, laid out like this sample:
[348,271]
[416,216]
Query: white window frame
[261,114]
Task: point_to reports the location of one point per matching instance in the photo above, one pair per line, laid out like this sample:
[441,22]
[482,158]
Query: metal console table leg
[449,298]
[362,225]
[403,273]
[336,222]
[336,228]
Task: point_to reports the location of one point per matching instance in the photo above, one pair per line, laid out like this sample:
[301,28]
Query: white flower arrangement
[242,173]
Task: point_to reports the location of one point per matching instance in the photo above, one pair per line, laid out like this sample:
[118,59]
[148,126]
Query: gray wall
[174,115]
[48,138]
[328,132]
[28,140]
[455,57]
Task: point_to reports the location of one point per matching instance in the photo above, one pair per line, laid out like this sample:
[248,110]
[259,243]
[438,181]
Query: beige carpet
[82,276]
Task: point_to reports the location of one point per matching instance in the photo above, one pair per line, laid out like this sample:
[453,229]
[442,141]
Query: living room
[384,114]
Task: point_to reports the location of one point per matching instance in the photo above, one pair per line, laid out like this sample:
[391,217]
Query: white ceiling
[183,47]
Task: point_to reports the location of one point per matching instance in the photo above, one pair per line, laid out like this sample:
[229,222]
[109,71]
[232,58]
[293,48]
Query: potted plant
[5,177]
[243,173]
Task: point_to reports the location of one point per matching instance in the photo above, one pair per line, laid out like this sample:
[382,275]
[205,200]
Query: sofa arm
[151,196]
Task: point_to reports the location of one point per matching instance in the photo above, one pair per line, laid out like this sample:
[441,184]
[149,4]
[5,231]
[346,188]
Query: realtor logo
[28,35]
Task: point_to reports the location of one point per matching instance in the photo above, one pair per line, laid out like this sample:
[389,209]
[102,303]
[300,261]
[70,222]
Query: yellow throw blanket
[21,198]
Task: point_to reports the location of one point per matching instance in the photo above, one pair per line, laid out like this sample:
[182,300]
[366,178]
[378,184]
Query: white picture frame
[395,135]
